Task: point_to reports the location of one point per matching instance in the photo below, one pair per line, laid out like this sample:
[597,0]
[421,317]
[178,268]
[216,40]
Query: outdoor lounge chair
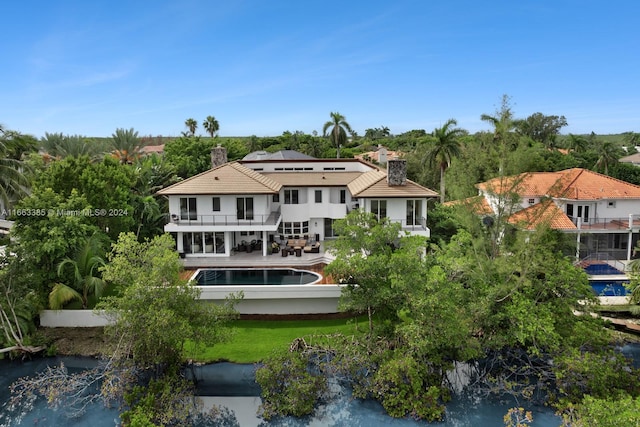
[313,248]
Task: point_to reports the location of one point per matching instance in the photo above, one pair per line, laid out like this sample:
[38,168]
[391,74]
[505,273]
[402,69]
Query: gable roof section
[229,178]
[545,212]
[374,184]
[573,184]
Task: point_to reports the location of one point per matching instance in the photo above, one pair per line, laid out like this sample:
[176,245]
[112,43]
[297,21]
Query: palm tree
[607,156]
[192,125]
[13,182]
[57,145]
[86,275]
[125,145]
[340,127]
[211,125]
[446,146]
[577,143]
[503,124]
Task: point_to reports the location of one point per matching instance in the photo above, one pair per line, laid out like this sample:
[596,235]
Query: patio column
[264,243]
[180,245]
[579,224]
[630,237]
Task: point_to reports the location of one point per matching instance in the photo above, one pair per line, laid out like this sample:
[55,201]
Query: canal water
[233,386]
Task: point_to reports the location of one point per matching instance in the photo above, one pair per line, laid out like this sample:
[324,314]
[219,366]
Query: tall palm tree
[13,182]
[125,145]
[86,275]
[192,125]
[607,155]
[211,125]
[339,128]
[503,125]
[446,146]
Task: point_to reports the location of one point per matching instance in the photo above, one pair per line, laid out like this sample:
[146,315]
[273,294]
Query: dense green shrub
[288,386]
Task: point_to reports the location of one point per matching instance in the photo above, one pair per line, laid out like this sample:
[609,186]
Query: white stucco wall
[281,299]
[71,319]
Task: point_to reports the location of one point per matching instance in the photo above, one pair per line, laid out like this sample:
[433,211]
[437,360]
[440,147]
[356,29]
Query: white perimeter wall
[281,299]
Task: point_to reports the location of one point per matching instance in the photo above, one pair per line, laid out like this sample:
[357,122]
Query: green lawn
[254,340]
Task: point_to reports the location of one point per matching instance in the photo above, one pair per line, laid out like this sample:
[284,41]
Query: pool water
[596,269]
[259,277]
[609,288]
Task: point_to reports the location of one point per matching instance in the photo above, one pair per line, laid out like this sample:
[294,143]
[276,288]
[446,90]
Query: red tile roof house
[213,212]
[603,212]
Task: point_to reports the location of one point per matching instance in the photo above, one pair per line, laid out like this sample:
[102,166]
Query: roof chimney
[382,155]
[218,156]
[397,172]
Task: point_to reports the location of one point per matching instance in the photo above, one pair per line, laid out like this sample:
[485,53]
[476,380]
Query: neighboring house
[5,225]
[603,212]
[212,213]
[152,149]
[380,156]
[633,159]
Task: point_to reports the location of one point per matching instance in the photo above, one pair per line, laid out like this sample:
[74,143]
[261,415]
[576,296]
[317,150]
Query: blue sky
[265,67]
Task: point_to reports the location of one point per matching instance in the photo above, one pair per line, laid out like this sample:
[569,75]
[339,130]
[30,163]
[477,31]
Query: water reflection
[235,388]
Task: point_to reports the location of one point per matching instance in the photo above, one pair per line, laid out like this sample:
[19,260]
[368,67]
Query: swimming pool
[606,280]
[254,277]
[609,288]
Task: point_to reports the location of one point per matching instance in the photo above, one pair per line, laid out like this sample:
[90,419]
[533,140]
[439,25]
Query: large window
[414,212]
[205,242]
[216,204]
[244,208]
[379,207]
[291,197]
[188,208]
[294,228]
[578,211]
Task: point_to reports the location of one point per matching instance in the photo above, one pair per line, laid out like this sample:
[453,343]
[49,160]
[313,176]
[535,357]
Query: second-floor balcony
[607,224]
[245,219]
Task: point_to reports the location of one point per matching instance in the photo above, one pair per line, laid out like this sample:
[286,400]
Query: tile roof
[375,155]
[234,178]
[229,178]
[374,184]
[476,204]
[545,212]
[573,184]
[633,158]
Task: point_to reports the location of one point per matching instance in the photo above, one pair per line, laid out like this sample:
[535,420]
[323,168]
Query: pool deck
[256,259]
[307,261]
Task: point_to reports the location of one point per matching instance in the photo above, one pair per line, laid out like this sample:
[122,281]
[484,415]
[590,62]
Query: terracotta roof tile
[545,212]
[476,204]
[574,184]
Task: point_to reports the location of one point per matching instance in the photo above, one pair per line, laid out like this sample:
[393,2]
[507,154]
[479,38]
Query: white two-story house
[603,212]
[217,211]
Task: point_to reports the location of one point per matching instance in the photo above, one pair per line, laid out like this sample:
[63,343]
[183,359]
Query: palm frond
[61,294]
